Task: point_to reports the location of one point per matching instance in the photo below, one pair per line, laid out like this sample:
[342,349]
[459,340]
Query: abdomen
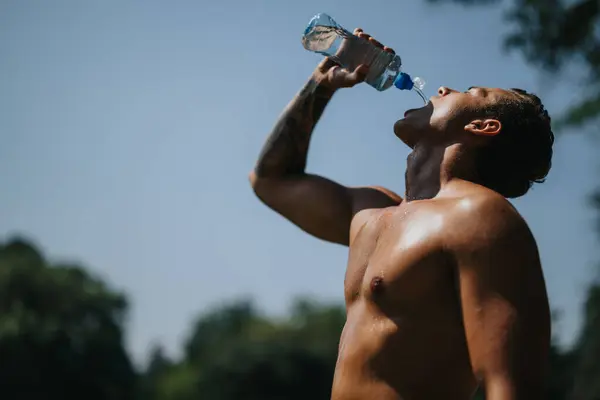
[395,357]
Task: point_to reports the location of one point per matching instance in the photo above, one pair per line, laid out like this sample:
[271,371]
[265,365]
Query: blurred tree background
[61,337]
[61,329]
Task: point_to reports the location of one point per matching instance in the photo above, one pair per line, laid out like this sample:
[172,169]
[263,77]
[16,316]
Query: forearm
[499,388]
[503,387]
[286,148]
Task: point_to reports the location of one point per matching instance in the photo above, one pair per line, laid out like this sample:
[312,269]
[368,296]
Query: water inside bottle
[421,94]
[324,39]
[418,85]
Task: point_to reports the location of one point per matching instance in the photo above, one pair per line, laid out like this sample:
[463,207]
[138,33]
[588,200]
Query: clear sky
[129,127]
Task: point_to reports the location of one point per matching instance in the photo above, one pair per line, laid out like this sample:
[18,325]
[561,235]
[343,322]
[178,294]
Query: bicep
[490,317]
[505,313]
[319,206]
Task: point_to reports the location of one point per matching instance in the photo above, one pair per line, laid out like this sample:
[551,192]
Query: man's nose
[444,91]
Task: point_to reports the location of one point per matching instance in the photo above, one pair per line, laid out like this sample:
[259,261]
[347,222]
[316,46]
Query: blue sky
[129,127]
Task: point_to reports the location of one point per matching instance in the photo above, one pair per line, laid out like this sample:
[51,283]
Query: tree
[158,366]
[587,369]
[234,352]
[586,385]
[554,35]
[60,331]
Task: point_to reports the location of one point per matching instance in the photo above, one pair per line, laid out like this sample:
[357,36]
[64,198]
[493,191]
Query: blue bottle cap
[404,82]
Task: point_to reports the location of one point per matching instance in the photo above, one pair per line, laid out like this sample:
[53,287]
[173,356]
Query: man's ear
[489,127]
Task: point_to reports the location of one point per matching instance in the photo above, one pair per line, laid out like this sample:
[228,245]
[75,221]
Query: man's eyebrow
[482,91]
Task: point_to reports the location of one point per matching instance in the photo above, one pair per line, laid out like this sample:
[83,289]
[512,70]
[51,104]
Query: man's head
[507,132]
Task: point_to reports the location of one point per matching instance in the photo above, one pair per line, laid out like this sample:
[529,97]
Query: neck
[431,167]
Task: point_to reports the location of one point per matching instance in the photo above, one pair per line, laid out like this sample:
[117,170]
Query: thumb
[359,74]
[327,64]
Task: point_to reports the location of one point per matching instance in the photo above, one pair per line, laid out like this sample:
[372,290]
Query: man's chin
[405,132]
[414,125]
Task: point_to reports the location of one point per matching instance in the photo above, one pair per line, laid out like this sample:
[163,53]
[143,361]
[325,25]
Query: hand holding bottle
[324,36]
[332,75]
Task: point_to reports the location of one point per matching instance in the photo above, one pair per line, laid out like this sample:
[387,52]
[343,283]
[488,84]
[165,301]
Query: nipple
[376,284]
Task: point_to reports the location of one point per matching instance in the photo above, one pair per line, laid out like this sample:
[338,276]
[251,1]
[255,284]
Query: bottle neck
[404,82]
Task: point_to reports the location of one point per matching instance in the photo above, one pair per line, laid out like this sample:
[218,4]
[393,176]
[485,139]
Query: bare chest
[396,257]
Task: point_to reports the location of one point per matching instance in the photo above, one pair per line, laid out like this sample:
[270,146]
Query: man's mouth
[414,109]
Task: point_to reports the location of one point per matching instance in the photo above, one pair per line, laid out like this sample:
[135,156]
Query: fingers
[364,35]
[361,34]
[375,42]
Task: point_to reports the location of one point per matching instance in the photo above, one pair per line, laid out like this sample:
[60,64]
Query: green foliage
[553,35]
[587,368]
[234,352]
[60,331]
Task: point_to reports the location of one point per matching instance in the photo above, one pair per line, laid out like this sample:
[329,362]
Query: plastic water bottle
[325,36]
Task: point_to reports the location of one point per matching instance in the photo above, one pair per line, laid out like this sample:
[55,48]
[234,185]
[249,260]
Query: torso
[403,338]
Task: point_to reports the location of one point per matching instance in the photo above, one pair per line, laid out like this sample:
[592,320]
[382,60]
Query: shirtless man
[444,290]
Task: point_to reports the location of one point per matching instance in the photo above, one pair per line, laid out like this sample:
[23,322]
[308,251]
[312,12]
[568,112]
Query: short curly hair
[521,154]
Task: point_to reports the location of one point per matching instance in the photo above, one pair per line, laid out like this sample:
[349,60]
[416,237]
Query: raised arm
[317,205]
[504,304]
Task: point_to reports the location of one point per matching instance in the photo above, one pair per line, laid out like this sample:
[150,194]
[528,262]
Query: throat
[424,173]
[429,168]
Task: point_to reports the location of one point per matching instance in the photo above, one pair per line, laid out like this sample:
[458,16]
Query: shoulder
[485,219]
[367,203]
[494,247]
[373,197]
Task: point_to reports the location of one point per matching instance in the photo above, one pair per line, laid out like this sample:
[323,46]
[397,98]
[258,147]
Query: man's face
[447,116]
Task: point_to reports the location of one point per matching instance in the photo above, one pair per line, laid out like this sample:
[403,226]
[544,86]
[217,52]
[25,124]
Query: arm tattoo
[286,147]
